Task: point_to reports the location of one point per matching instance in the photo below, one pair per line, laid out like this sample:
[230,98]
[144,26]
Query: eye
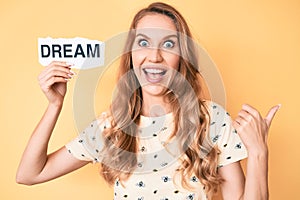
[143,43]
[168,44]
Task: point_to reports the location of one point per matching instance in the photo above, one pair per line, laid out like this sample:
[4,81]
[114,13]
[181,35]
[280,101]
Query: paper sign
[81,52]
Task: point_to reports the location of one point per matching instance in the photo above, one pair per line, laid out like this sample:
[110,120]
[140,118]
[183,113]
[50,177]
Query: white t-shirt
[154,177]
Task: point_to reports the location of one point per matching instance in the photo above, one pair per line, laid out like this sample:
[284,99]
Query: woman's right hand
[53,81]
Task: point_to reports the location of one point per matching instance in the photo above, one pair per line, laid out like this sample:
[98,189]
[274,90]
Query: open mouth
[154,75]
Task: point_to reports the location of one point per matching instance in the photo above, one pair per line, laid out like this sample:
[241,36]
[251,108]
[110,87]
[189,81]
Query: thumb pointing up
[269,117]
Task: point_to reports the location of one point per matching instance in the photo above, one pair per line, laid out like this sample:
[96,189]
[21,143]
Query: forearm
[256,187]
[35,155]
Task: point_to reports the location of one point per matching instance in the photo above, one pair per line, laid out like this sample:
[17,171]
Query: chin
[153,90]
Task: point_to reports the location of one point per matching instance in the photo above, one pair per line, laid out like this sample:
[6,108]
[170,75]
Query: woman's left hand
[253,128]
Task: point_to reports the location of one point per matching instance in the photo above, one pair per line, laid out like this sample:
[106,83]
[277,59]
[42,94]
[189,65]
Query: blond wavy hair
[192,118]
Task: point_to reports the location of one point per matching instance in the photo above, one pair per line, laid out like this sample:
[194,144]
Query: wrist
[260,154]
[55,106]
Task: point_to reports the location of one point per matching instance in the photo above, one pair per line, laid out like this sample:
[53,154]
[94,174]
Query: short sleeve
[225,136]
[88,144]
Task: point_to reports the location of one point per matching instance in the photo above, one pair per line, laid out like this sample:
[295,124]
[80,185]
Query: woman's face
[155,52]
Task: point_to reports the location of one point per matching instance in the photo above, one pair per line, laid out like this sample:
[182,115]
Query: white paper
[81,52]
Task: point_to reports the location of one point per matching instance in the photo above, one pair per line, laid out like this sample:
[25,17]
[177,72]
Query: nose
[154,55]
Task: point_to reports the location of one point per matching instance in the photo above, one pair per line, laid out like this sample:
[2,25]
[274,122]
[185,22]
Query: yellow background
[255,44]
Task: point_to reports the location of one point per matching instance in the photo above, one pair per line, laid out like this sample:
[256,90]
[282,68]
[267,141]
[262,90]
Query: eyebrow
[145,36]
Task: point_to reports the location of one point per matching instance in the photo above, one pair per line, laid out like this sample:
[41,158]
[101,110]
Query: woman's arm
[234,181]
[256,186]
[36,165]
[253,131]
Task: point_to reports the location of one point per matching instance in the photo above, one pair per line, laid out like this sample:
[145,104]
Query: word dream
[81,52]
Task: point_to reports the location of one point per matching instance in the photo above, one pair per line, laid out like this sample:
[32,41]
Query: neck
[154,106]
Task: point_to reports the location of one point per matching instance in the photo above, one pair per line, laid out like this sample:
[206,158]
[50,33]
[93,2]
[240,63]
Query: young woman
[160,139]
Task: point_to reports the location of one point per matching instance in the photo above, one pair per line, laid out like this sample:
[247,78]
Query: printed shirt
[155,176]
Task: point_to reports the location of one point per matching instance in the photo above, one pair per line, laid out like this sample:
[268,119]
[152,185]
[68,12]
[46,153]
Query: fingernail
[279,105]
[67,79]
[70,75]
[73,72]
[68,63]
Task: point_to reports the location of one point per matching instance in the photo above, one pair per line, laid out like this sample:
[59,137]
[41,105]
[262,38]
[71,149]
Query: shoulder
[215,109]
[222,134]
[104,120]
[95,128]
[220,123]
[101,122]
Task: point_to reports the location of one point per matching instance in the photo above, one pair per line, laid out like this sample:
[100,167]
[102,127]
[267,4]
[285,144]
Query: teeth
[154,71]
